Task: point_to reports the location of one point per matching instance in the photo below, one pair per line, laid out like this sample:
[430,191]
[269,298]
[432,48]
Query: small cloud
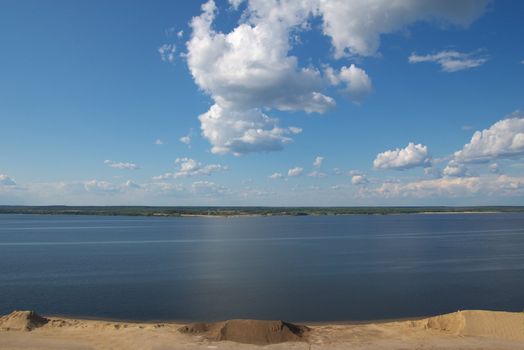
[131,184]
[337,171]
[451,61]
[190,167]
[317,163]
[294,172]
[413,155]
[167,52]
[159,142]
[163,177]
[357,83]
[180,33]
[467,127]
[295,130]
[121,165]
[359,180]
[275,176]
[317,174]
[494,168]
[454,169]
[186,140]
[6,180]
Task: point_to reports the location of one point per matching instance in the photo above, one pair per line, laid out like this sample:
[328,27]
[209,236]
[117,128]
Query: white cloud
[451,61]
[317,163]
[275,176]
[190,167]
[337,171]
[208,188]
[186,140]
[489,185]
[235,3]
[296,171]
[167,52]
[159,142]
[100,186]
[165,176]
[122,165]
[131,185]
[504,139]
[454,169]
[317,174]
[359,180]
[357,83]
[249,70]
[180,33]
[295,130]
[241,132]
[494,168]
[413,155]
[6,180]
[355,26]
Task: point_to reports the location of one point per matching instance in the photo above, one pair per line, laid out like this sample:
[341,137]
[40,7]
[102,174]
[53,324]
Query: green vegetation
[236,211]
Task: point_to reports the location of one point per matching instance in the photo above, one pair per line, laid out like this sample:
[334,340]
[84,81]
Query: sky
[262,102]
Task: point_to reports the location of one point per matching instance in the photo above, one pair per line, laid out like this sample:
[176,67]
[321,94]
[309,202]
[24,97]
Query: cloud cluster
[249,69]
[451,61]
[121,165]
[355,26]
[413,155]
[500,185]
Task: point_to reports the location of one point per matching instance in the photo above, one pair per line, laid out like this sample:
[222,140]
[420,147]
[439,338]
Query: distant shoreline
[233,212]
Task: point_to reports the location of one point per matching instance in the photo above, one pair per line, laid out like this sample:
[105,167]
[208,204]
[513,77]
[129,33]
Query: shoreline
[234,216]
[466,330]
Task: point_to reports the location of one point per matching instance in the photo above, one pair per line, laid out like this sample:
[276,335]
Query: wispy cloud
[122,165]
[167,52]
[451,61]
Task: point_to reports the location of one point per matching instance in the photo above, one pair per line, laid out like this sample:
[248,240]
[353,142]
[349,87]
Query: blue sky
[231,103]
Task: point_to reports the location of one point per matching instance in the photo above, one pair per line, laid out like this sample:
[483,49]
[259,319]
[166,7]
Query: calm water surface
[294,268]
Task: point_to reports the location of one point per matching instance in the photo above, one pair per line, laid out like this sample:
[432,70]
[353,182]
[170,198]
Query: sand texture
[459,330]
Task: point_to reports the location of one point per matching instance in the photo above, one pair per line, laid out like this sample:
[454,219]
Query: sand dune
[459,330]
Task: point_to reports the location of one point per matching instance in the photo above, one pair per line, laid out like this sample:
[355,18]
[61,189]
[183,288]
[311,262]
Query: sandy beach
[459,330]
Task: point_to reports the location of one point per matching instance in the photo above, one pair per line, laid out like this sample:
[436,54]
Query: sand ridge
[260,332]
[465,330]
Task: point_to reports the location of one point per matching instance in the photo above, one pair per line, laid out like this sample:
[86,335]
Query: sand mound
[249,331]
[495,324]
[22,321]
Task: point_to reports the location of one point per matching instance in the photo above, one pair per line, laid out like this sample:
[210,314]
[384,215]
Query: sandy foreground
[459,330]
